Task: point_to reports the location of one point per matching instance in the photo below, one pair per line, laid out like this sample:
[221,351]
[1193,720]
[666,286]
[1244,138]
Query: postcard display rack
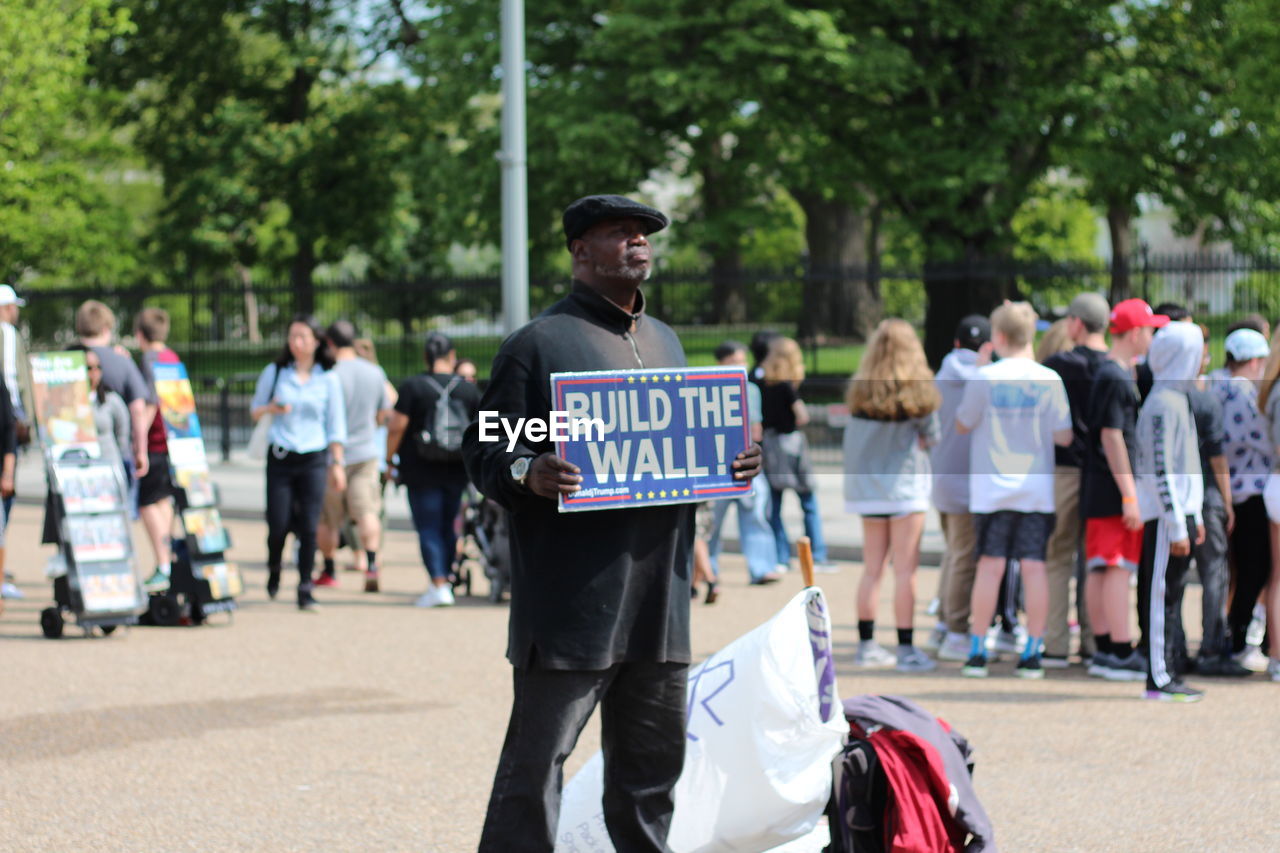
[202,581]
[94,581]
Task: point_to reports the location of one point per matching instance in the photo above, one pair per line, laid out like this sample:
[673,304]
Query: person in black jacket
[599,600]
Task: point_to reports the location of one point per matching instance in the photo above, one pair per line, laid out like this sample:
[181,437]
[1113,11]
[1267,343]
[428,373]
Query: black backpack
[440,439]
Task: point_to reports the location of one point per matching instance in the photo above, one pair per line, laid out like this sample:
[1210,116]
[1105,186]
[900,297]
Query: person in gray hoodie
[1170,489]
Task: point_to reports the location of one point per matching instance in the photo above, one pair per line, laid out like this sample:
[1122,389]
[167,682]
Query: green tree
[55,216]
[275,148]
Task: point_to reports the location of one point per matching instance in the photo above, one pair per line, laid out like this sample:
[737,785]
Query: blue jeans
[753,530]
[812,527]
[434,509]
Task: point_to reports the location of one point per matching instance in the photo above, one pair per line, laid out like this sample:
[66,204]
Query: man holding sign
[600,600]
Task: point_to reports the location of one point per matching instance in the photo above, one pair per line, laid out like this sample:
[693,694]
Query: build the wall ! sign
[644,437]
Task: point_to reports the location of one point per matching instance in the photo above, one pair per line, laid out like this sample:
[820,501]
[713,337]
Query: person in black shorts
[155,488]
[1017,412]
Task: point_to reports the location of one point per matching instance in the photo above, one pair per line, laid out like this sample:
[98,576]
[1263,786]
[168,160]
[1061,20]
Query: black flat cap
[587,211]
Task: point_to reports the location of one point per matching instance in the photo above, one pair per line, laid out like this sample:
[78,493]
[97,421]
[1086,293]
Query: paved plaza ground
[373,725]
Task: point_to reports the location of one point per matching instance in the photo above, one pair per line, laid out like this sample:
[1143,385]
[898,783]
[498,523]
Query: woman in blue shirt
[307,432]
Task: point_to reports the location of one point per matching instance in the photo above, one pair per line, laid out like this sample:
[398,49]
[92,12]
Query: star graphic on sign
[679,377]
[686,493]
[662,494]
[651,494]
[644,378]
[631,379]
[638,496]
[666,378]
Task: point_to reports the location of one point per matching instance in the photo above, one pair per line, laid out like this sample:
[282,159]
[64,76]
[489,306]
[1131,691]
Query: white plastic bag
[258,439]
[764,723]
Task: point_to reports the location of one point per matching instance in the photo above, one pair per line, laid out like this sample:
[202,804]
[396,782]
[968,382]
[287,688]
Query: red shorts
[1107,542]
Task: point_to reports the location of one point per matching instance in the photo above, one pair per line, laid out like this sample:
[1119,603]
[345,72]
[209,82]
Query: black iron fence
[227,330]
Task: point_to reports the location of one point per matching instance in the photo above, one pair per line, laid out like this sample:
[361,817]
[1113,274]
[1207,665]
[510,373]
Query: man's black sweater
[588,589]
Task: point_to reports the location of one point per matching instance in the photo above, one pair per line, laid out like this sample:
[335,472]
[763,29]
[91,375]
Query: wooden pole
[805,552]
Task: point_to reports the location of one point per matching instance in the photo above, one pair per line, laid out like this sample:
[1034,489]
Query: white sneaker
[935,638]
[911,659]
[1252,658]
[872,655]
[1006,642]
[8,590]
[1257,626]
[436,596]
[954,648]
[934,606]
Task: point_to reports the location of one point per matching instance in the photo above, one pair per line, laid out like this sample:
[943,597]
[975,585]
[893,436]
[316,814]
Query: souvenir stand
[202,582]
[87,512]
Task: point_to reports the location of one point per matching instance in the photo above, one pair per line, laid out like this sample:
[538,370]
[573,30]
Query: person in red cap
[1109,497]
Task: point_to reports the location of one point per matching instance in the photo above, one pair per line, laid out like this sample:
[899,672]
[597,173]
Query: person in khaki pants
[950,460]
[1087,319]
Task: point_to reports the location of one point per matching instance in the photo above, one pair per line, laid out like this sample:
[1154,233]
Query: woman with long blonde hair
[786,451]
[893,404]
[1055,339]
[1269,404]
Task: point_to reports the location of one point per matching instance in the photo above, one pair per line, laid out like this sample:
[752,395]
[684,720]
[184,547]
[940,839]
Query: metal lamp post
[515,204]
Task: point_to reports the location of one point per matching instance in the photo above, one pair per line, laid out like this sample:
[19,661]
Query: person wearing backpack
[433,410]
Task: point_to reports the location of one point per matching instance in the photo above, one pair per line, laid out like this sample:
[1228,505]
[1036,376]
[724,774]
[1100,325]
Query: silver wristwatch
[520,469]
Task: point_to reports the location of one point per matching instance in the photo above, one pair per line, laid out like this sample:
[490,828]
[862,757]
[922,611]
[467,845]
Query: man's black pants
[642,716]
[1161,578]
[1251,547]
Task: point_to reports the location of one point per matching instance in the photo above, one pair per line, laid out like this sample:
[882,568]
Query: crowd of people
[1111,466]
[338,432]
[1051,467]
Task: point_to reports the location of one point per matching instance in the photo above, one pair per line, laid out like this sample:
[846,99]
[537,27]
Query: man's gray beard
[624,272]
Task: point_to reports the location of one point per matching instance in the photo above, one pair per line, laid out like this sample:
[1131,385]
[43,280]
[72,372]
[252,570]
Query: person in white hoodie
[950,459]
[1170,489]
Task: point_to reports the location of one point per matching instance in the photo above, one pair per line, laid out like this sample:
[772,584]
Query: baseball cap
[9,297]
[1244,344]
[973,331]
[1090,309]
[1134,314]
[587,211]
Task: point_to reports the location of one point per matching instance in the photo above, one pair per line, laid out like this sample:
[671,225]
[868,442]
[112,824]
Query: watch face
[520,468]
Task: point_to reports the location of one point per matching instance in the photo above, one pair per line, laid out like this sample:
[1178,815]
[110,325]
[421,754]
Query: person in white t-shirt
[1017,410]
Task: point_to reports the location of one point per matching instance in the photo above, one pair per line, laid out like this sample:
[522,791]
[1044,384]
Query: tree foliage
[54,213]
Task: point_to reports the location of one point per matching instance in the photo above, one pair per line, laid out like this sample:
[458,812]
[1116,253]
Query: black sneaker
[273,583]
[1131,667]
[1029,667]
[975,667]
[1174,691]
[307,602]
[1221,666]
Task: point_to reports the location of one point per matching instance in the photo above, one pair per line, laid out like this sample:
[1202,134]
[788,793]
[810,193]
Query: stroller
[485,540]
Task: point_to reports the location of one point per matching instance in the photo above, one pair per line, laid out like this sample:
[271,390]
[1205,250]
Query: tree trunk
[956,286]
[1120,224]
[727,291]
[250,304]
[723,243]
[304,264]
[840,298]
